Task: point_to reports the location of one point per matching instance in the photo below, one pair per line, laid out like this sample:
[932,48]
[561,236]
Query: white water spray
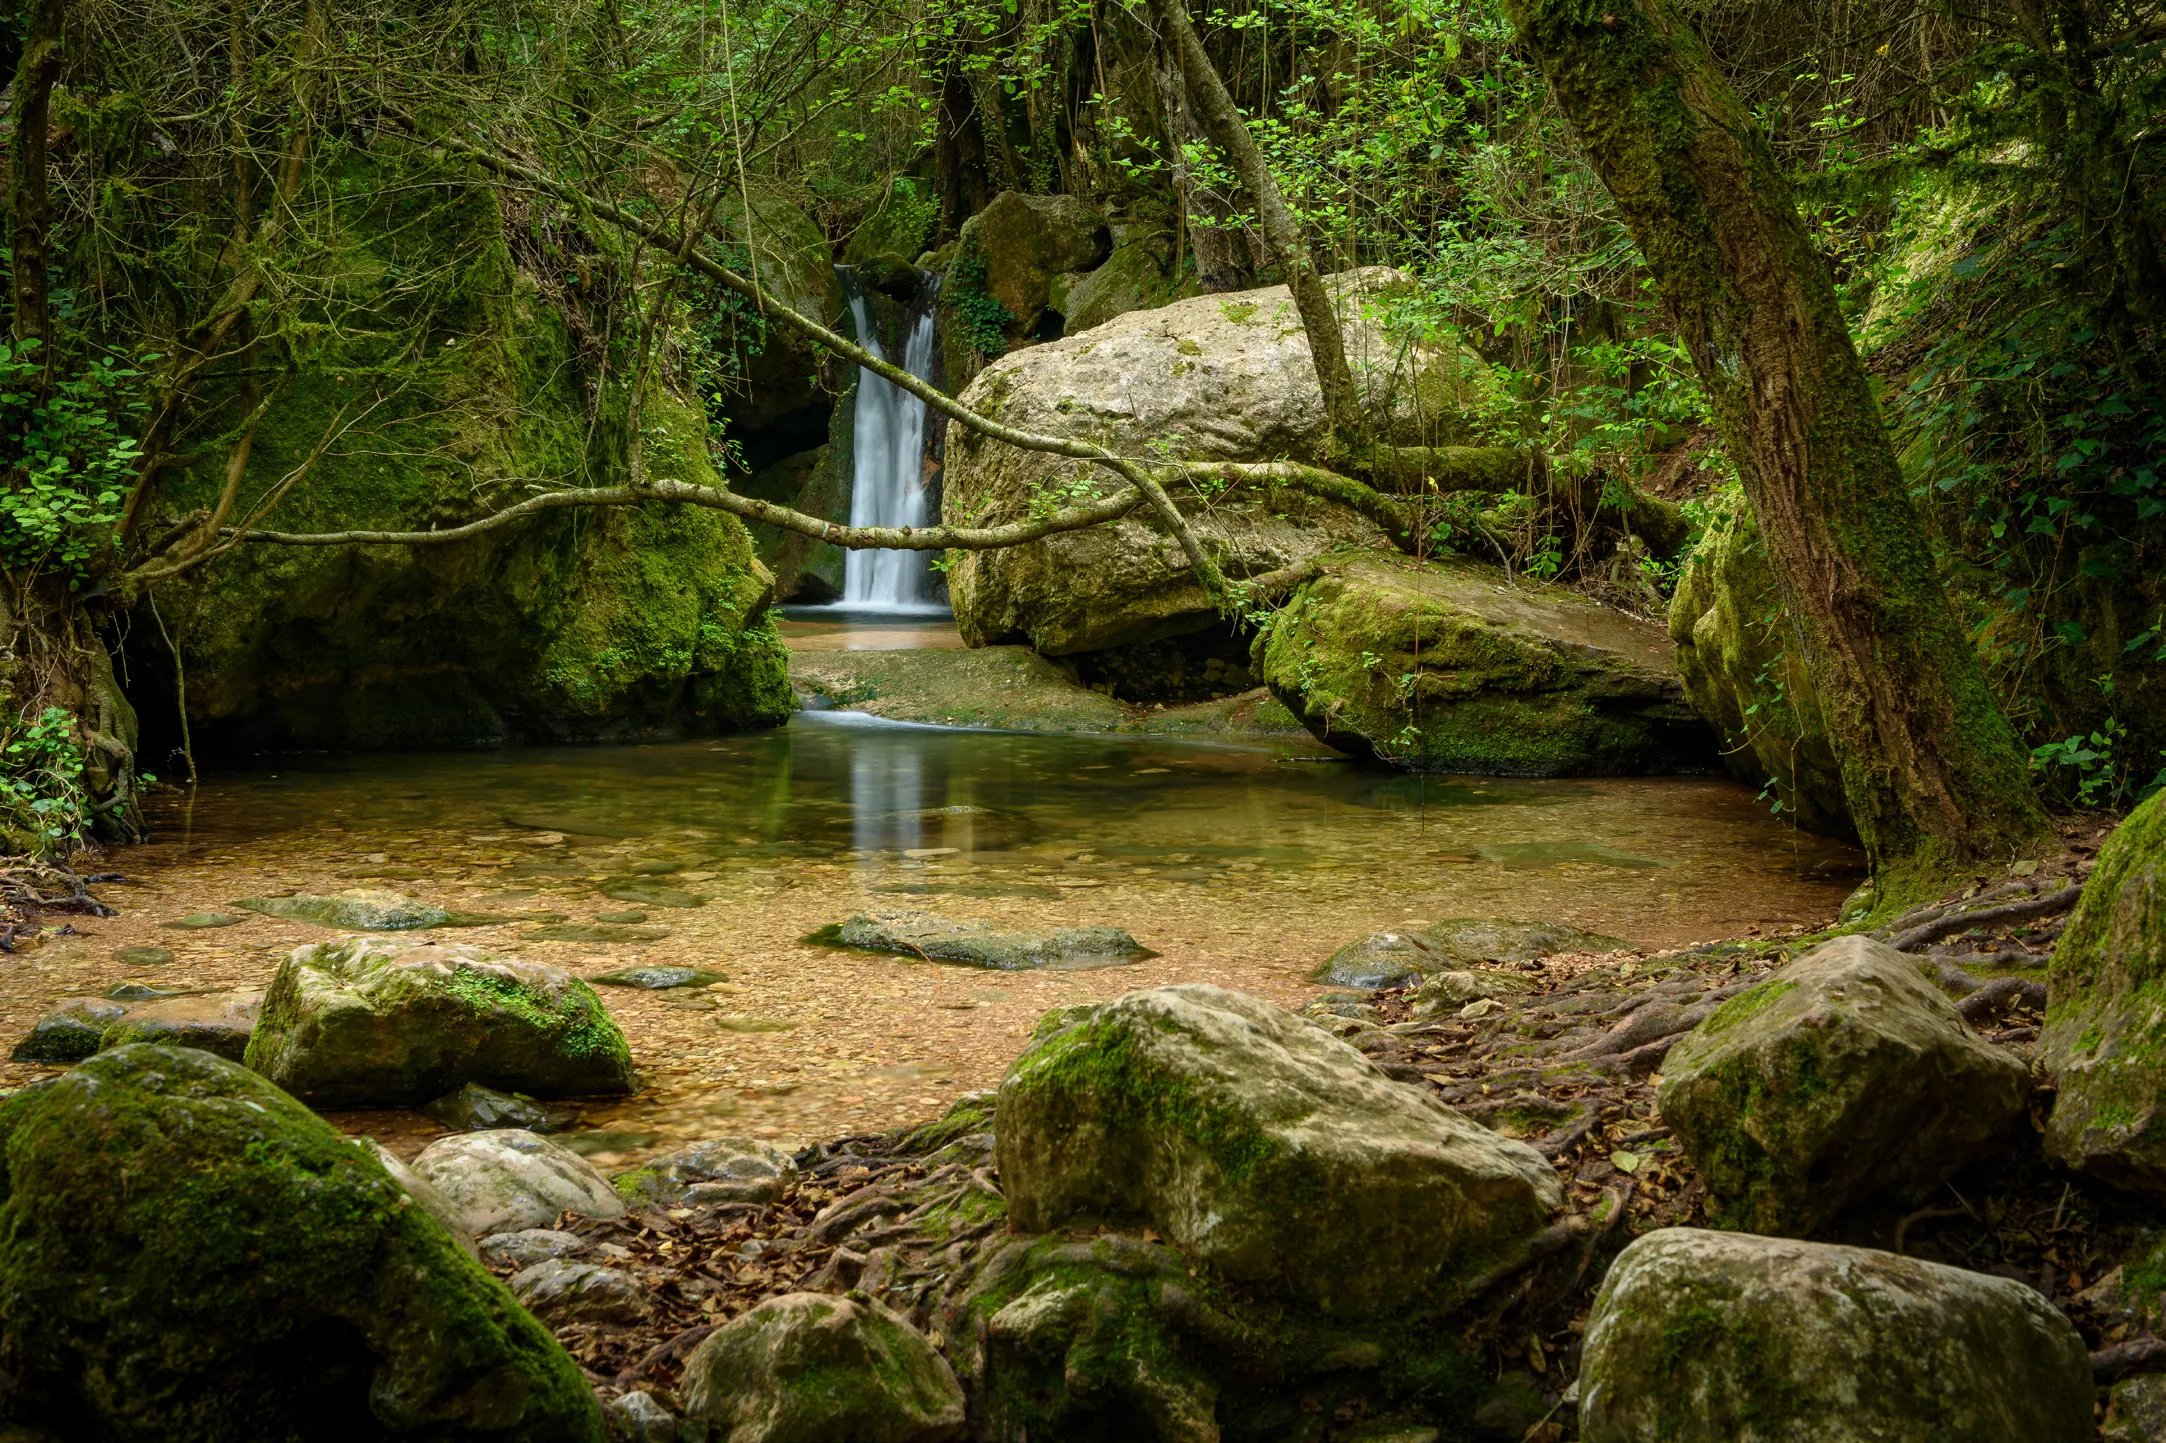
[888,488]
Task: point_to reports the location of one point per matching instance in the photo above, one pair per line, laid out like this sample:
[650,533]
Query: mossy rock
[1265,1149]
[1452,666]
[809,1368]
[372,1022]
[2105,1035]
[73,1030]
[1708,1337]
[571,626]
[1743,672]
[186,1253]
[1845,1076]
[980,944]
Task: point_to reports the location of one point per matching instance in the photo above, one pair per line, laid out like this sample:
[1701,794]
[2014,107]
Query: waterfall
[888,488]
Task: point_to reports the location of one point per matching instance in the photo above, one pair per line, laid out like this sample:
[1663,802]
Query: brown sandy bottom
[1238,867]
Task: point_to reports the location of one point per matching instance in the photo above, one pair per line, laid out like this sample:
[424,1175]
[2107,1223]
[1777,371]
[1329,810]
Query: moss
[309,1287]
[1747,1005]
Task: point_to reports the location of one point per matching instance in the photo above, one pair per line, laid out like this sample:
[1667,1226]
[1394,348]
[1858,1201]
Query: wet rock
[529,1246]
[1844,1076]
[376,1022]
[562,1293]
[2104,1040]
[1447,992]
[145,991]
[1219,377]
[1267,1150]
[196,921]
[966,829]
[1520,679]
[1015,252]
[660,979]
[360,908]
[630,917]
[1011,688]
[1706,1337]
[1386,959]
[144,956]
[637,1418]
[594,932]
[2136,1411]
[305,1277]
[727,1169]
[425,1196]
[72,1031]
[219,1022]
[808,1367]
[652,894]
[980,944]
[512,1180]
[474,1108]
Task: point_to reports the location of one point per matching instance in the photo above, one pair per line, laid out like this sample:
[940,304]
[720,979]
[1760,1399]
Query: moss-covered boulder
[1738,657]
[374,1022]
[1009,259]
[2105,1034]
[1845,1076]
[1140,274]
[811,1368]
[1453,666]
[1266,1149]
[1225,377]
[426,404]
[73,1030]
[220,1022]
[186,1253]
[1708,1337]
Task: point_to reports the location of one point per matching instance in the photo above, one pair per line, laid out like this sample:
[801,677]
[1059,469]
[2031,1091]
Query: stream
[1243,865]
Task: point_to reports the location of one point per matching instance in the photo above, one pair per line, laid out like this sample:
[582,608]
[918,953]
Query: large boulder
[1011,259]
[510,1180]
[1844,1076]
[568,626]
[1453,666]
[810,1368]
[1215,377]
[220,1022]
[1709,1337]
[379,1022]
[1745,673]
[187,1252]
[2105,1034]
[1268,1150]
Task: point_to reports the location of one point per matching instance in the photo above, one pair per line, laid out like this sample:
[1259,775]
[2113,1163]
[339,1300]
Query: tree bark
[29,206]
[1220,244]
[1931,768]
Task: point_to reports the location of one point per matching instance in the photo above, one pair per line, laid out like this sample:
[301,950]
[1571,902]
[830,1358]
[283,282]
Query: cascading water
[888,488]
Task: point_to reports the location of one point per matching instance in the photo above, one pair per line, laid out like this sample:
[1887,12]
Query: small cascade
[889,488]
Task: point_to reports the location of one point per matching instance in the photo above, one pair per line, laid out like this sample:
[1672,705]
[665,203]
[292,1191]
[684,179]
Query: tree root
[1952,921]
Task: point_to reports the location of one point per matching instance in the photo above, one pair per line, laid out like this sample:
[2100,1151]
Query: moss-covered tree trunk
[1931,769]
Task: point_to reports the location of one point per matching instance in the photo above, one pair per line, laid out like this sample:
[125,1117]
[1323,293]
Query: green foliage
[71,453]
[985,318]
[43,800]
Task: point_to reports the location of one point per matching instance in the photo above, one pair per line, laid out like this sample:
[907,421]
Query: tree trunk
[28,205]
[1220,243]
[1281,232]
[1931,768]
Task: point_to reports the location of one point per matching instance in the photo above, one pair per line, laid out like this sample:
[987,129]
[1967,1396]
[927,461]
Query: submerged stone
[257,1279]
[145,991]
[594,932]
[1403,957]
[650,894]
[511,1180]
[361,909]
[376,1022]
[965,828]
[219,1022]
[628,917]
[726,1170]
[144,956]
[980,944]
[660,979]
[1265,1149]
[2104,1038]
[808,1367]
[196,921]
[1708,1337]
[1844,1076]
[474,1108]
[72,1031]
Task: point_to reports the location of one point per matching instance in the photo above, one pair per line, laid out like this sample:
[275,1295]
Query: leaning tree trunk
[27,202]
[1931,769]
[1215,233]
